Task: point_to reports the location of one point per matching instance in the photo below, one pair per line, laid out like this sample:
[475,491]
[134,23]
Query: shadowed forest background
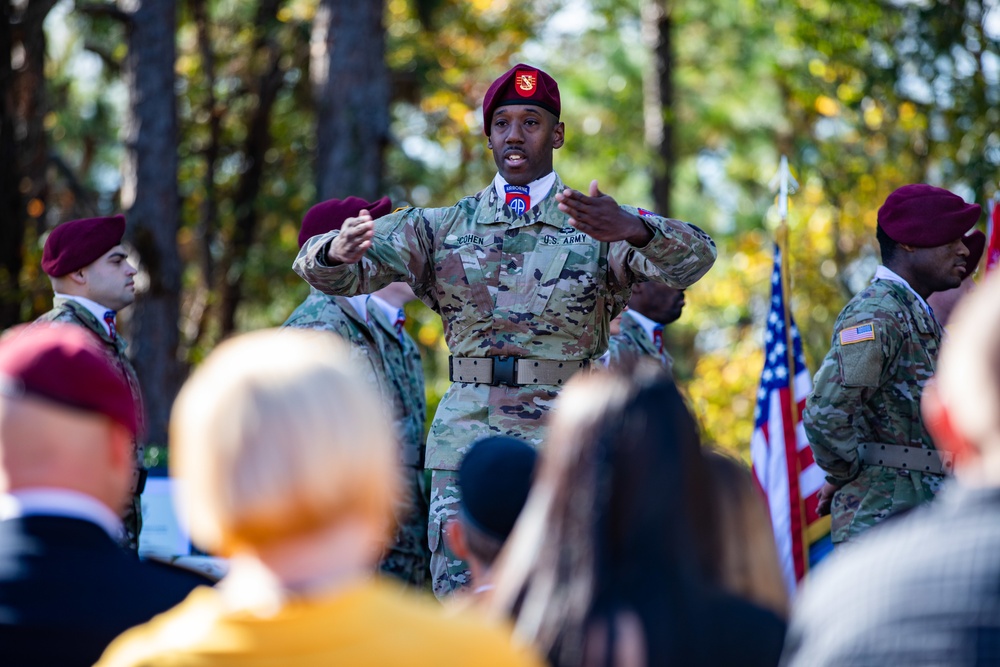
[215,124]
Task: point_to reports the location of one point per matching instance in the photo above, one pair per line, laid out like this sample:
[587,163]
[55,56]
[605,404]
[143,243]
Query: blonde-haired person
[289,469]
[747,561]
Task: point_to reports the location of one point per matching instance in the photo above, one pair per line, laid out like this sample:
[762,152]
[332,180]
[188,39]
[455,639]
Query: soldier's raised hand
[355,238]
[599,216]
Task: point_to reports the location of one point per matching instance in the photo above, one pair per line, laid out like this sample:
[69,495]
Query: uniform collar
[647,324]
[538,189]
[94,308]
[885,273]
[360,305]
[47,501]
[390,311]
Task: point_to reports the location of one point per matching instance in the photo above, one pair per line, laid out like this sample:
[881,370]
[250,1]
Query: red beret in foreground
[77,243]
[63,363]
[976,243]
[331,214]
[926,216]
[522,84]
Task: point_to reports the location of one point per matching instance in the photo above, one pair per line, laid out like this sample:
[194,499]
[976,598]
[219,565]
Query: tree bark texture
[351,87]
[23,145]
[150,199]
[658,95]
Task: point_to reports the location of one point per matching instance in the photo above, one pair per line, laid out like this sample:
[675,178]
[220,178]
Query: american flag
[857,334]
[993,235]
[782,460]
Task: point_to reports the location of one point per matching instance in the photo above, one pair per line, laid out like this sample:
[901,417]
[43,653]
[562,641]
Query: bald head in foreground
[67,420]
[925,589]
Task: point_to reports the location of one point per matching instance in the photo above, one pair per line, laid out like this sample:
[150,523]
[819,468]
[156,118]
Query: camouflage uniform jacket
[379,359]
[633,342]
[337,315]
[528,286]
[403,375]
[67,310]
[869,391]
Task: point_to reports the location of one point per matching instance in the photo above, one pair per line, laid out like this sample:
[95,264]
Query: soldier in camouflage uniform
[93,280]
[389,357]
[651,308]
[863,418]
[526,275]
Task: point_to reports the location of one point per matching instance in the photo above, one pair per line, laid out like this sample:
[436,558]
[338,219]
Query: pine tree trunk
[23,145]
[658,94]
[351,87]
[150,198]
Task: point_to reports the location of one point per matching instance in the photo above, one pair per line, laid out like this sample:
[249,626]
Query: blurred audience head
[608,525]
[493,479]
[748,563]
[277,438]
[67,417]
[961,405]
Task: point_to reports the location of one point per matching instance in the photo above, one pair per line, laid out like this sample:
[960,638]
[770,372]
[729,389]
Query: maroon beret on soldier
[522,84]
[976,243]
[925,216]
[77,243]
[331,214]
[62,363]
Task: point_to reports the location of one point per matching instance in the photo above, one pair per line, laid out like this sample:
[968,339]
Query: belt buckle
[504,371]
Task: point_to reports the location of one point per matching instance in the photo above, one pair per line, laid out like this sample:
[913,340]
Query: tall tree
[351,83]
[150,199]
[23,145]
[658,98]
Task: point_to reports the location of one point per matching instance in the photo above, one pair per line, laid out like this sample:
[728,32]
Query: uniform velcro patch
[857,334]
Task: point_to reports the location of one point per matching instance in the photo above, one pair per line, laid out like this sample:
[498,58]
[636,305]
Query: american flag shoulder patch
[857,334]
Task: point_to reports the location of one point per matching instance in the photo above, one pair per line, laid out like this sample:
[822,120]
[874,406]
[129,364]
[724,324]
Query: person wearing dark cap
[526,274]
[373,325]
[93,280]
[493,479]
[67,422]
[863,417]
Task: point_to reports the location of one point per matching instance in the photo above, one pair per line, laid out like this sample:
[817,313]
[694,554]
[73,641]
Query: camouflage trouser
[448,572]
[132,523]
[407,558]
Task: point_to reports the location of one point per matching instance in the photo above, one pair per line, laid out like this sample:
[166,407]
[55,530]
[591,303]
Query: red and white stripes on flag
[993,236]
[782,460]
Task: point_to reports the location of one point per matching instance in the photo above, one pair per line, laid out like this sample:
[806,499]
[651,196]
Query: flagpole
[784,177]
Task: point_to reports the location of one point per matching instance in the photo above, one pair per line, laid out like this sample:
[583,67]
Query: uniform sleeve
[678,254]
[859,362]
[400,251]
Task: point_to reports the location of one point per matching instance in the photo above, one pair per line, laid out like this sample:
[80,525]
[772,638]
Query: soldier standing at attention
[863,417]
[388,356]
[526,275]
[92,280]
[651,308]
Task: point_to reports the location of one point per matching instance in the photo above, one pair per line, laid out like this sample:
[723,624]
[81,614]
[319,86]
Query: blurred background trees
[215,124]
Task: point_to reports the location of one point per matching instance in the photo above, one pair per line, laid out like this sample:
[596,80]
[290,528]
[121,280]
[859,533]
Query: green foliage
[862,96]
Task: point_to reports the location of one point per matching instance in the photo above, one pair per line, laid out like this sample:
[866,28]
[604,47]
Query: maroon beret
[522,84]
[64,364]
[331,214]
[976,243]
[77,243]
[926,216]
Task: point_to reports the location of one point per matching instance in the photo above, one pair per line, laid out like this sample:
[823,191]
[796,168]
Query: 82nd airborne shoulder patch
[858,334]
